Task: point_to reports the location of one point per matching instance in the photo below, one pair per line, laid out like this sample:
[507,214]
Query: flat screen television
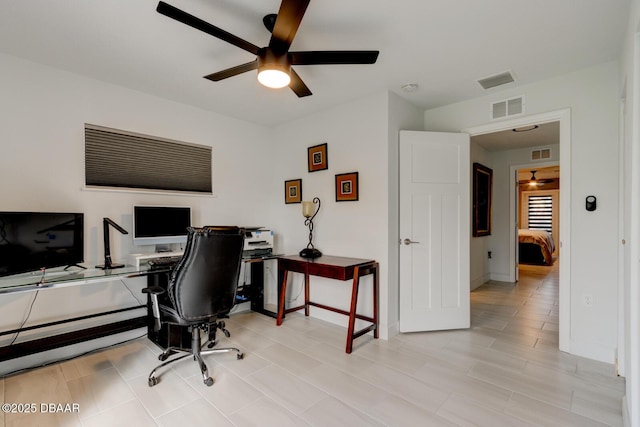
[160,225]
[31,241]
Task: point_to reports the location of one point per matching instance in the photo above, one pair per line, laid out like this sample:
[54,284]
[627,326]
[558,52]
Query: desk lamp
[106,222]
[309,214]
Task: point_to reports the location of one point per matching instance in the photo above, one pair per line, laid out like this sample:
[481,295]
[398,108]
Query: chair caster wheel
[153,381]
[208,382]
[240,356]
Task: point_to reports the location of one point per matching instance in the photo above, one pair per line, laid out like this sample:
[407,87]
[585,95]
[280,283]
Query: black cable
[71,357]
[132,294]
[26,318]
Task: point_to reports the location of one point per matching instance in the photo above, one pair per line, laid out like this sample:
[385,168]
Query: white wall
[42,117]
[479,269]
[500,240]
[402,116]
[592,96]
[356,134]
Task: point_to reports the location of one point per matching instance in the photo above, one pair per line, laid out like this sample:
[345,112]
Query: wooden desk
[332,267]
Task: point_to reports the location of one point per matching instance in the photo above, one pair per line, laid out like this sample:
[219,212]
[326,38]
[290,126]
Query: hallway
[523,321]
[526,313]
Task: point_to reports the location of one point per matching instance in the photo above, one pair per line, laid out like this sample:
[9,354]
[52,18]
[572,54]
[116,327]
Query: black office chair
[201,289]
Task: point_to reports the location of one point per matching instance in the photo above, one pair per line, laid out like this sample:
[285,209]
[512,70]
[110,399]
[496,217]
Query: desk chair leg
[196,352]
[196,346]
[153,380]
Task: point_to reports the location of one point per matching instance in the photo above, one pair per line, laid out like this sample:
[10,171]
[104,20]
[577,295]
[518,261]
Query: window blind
[540,212]
[115,158]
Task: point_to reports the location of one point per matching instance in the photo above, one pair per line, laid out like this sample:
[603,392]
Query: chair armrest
[154,290]
[153,293]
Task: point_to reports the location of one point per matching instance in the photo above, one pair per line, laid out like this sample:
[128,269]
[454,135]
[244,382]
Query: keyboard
[165,261]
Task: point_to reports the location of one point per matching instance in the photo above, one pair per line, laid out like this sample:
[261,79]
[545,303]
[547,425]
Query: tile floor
[504,371]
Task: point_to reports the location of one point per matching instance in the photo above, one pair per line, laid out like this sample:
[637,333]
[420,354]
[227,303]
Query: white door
[435,222]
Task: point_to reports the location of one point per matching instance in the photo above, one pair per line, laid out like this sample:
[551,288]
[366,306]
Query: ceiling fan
[533,182]
[274,61]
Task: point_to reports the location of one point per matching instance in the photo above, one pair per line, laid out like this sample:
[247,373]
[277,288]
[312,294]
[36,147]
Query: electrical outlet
[588,300]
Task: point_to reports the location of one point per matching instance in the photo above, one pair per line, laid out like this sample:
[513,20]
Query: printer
[258,242]
[258,246]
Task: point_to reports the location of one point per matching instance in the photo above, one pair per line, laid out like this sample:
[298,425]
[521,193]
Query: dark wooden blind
[115,158]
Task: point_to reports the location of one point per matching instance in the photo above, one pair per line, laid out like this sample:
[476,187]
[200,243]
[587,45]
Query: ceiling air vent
[496,80]
[507,107]
[541,153]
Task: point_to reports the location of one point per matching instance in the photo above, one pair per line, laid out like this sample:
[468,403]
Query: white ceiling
[543,134]
[444,46]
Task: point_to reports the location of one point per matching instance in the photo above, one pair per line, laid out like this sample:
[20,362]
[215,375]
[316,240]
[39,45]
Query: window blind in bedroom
[541,213]
[115,158]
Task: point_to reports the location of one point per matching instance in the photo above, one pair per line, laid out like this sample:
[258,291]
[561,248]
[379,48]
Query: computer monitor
[160,225]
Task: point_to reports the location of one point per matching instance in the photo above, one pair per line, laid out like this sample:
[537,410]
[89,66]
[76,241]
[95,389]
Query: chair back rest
[203,284]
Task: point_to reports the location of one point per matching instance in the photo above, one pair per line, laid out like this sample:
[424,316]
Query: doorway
[509,234]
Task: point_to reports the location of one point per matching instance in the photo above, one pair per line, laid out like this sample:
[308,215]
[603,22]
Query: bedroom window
[540,212]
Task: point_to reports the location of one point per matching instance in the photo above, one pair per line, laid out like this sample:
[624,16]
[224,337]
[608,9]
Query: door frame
[513,263]
[564,117]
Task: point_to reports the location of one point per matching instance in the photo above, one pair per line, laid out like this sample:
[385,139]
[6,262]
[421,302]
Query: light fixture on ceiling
[533,182]
[273,70]
[525,128]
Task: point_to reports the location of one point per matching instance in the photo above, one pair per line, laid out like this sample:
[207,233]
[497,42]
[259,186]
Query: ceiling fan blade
[197,23]
[298,86]
[319,57]
[233,71]
[287,23]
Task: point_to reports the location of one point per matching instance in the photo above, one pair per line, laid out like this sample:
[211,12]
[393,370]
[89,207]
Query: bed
[535,247]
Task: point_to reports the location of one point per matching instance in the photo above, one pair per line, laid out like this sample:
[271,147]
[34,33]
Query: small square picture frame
[347,187]
[293,191]
[317,158]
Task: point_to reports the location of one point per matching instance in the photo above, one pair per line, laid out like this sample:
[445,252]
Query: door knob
[408,241]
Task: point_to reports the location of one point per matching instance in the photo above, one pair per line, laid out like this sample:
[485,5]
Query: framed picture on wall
[347,187]
[293,191]
[317,158]
[482,181]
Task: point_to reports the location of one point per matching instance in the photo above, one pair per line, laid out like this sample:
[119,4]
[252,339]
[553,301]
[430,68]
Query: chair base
[197,353]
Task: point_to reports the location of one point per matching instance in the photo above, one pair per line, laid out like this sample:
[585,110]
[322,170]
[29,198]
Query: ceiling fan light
[533,182]
[273,78]
[273,70]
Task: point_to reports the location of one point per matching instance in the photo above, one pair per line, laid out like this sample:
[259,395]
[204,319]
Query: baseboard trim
[626,416]
[479,281]
[62,340]
[593,351]
[391,330]
[501,277]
